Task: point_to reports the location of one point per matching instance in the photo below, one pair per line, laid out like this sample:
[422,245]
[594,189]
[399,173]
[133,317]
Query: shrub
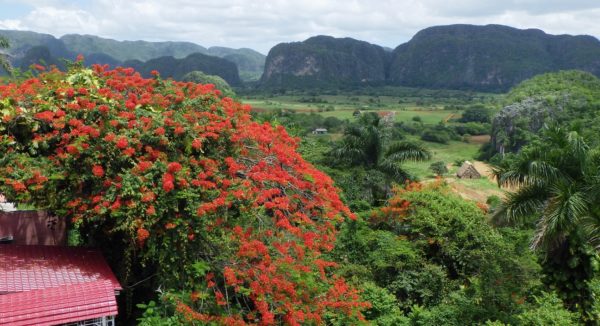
[438,168]
[172,177]
[435,136]
[473,128]
[547,309]
[476,113]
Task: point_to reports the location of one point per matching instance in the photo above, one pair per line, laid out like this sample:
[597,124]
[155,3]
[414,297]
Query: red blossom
[98,171]
[142,235]
[122,143]
[213,166]
[174,167]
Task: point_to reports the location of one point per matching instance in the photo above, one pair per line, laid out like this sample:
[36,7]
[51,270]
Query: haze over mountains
[485,58]
[28,47]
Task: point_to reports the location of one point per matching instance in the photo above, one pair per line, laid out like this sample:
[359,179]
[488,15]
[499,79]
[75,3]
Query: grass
[447,153]
[343,107]
[431,111]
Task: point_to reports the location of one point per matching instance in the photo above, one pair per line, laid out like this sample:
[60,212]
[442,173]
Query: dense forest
[343,206]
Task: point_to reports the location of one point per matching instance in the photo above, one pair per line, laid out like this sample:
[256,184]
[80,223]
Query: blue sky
[8,11]
[262,24]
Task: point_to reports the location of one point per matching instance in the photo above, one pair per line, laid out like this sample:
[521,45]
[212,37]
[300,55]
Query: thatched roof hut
[468,171]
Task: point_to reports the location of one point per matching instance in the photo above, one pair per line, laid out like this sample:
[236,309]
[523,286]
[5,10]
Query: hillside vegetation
[567,98]
[484,58]
[324,61]
[25,49]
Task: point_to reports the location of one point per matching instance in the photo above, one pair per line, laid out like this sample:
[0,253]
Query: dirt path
[472,193]
[472,189]
[450,116]
[485,170]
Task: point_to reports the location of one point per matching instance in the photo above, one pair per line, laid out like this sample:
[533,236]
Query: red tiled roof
[49,285]
[58,305]
[26,268]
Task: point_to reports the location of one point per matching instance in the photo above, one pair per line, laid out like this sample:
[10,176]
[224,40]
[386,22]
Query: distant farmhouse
[468,171]
[319,131]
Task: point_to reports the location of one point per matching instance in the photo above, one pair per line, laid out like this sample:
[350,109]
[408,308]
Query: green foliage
[568,98]
[547,309]
[300,124]
[476,113]
[580,86]
[384,309]
[557,194]
[438,168]
[158,314]
[437,255]
[472,128]
[4,64]
[199,77]
[436,135]
[367,143]
[493,203]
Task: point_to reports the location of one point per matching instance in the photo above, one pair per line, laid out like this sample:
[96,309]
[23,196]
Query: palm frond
[394,170]
[565,209]
[406,151]
[590,225]
[521,204]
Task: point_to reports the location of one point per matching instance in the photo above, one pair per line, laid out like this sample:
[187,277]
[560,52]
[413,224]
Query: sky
[262,24]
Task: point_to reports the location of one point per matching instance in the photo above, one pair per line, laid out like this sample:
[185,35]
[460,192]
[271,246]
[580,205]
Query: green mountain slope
[324,60]
[177,68]
[129,50]
[488,58]
[569,98]
[250,63]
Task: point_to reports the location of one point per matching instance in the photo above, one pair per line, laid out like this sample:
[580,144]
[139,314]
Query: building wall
[33,228]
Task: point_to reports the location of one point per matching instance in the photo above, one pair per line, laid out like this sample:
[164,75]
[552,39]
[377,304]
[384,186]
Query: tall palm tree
[3,60]
[367,143]
[558,189]
[557,181]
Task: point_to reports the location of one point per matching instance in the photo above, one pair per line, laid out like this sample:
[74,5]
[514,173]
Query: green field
[450,153]
[430,109]
[343,108]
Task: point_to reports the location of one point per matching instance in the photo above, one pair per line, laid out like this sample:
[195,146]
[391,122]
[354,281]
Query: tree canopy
[172,180]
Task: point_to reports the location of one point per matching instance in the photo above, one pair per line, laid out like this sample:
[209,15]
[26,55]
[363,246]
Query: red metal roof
[62,304]
[49,285]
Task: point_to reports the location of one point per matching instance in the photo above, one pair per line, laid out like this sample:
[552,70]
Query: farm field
[429,110]
[341,108]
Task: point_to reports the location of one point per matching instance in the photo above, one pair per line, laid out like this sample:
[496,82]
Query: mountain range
[483,58]
[28,47]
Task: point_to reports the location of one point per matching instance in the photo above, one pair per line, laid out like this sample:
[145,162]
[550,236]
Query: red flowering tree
[234,220]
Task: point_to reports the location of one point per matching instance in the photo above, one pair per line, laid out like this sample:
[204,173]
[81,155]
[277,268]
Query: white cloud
[262,24]
[11,24]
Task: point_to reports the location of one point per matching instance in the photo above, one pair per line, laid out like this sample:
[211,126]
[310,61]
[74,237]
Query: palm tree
[367,143]
[3,60]
[558,186]
[557,181]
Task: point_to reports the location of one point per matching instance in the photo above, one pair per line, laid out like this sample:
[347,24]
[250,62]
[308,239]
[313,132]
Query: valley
[451,180]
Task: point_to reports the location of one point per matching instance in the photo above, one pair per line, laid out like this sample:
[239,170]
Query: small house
[319,131]
[55,285]
[5,206]
[43,282]
[468,171]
